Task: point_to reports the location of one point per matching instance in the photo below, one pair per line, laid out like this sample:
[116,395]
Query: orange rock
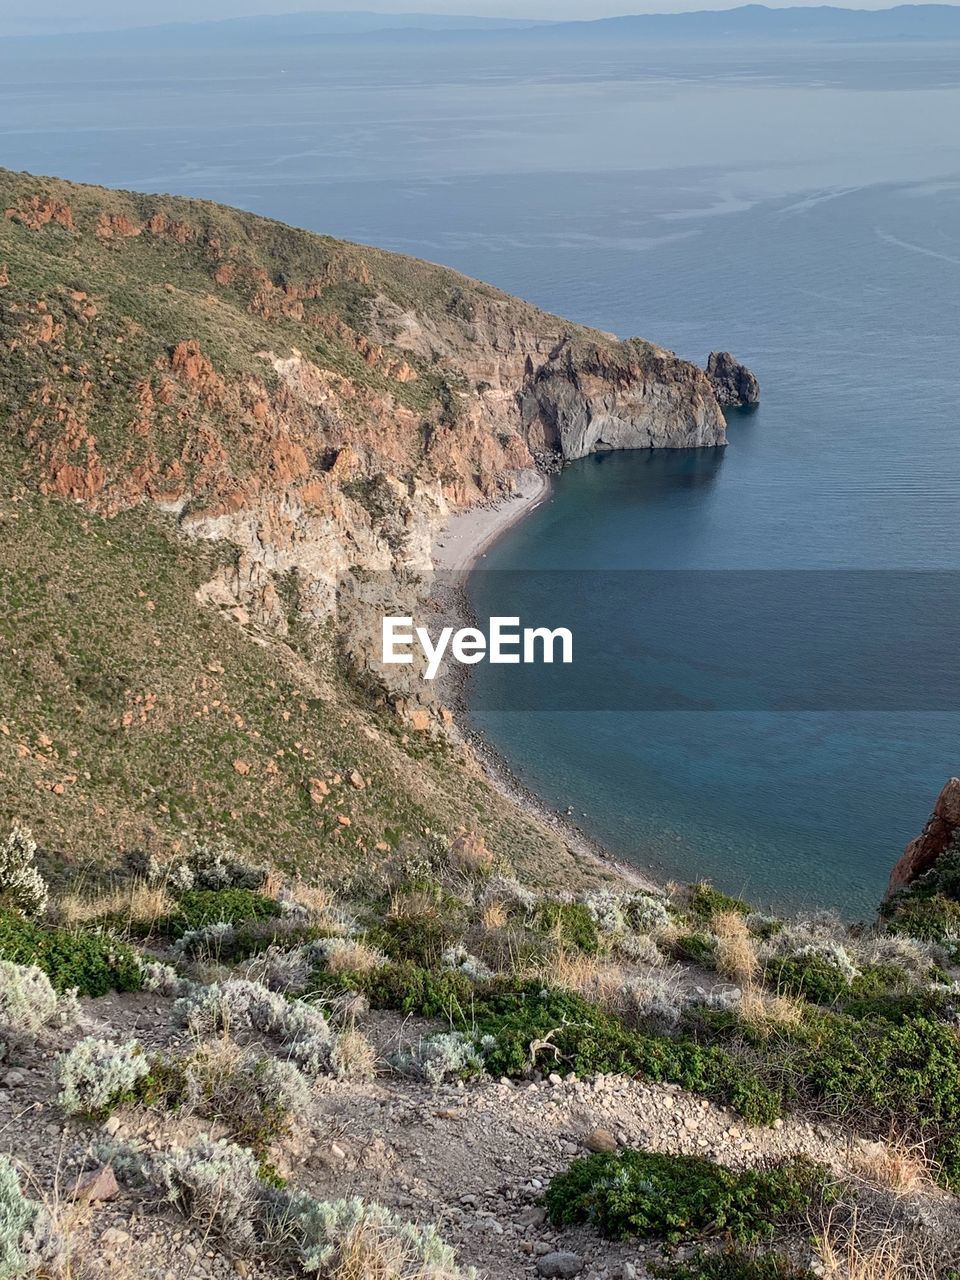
[242,767]
[116,224]
[37,212]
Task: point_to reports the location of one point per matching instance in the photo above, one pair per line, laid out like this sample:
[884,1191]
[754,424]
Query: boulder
[98,1184]
[560,1265]
[935,838]
[733,383]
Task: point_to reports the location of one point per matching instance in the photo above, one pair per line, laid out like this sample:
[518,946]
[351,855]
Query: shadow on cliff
[655,470]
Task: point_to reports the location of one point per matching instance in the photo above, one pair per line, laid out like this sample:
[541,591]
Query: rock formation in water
[936,837]
[733,383]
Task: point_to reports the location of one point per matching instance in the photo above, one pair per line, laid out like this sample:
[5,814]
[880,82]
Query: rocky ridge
[320,405]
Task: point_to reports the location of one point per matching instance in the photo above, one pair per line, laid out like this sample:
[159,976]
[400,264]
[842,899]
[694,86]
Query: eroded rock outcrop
[321,406]
[922,853]
[733,383]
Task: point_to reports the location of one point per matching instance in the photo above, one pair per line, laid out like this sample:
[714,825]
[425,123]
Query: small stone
[357,781]
[113,1237]
[553,1078]
[14,1079]
[98,1184]
[111,1127]
[337,1151]
[560,1265]
[600,1140]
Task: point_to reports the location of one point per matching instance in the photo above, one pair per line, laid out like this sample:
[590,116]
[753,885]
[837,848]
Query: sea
[796,204]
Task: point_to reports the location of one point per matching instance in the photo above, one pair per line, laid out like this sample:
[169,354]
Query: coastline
[467,536]
[456,552]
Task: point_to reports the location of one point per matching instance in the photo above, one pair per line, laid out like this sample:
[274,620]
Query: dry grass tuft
[367,1254]
[315,899]
[765,1012]
[736,950]
[494,916]
[896,1166]
[354,1056]
[846,1253]
[134,902]
[413,904]
[594,977]
[354,957]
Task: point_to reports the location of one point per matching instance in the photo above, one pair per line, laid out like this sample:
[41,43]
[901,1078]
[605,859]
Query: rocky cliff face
[941,830]
[319,405]
[735,386]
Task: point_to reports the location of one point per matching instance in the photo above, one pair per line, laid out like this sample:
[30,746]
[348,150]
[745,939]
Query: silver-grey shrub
[28,1238]
[240,1005]
[324,1233]
[27,1000]
[97,1075]
[437,1059]
[22,887]
[217,1184]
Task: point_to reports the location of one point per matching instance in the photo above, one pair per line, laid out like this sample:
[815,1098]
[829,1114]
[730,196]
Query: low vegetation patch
[735,1264]
[88,961]
[220,1186]
[675,1198]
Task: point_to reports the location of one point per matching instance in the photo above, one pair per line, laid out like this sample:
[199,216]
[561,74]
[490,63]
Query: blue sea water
[797,205]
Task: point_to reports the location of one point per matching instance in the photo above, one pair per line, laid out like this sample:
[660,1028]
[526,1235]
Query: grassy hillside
[130,716]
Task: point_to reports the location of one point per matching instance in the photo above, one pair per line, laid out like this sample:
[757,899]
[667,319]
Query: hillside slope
[208,419]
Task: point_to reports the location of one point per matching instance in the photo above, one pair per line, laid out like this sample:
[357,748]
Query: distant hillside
[756,21]
[208,421]
[748,22]
[287,27]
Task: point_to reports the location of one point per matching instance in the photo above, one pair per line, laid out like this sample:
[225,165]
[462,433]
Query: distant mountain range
[299,26]
[757,21]
[748,22]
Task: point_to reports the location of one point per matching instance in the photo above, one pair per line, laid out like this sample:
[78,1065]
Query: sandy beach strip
[463,542]
[456,551]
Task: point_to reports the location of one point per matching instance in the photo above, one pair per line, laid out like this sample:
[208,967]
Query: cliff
[318,404]
[209,420]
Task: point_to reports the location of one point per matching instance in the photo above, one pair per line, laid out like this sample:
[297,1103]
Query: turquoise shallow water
[799,206]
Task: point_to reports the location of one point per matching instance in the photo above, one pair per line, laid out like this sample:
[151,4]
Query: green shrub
[89,960]
[708,901]
[932,919]
[408,988]
[734,1264]
[698,947]
[815,979]
[198,908]
[571,923]
[889,1074]
[877,1071]
[419,924]
[583,1038]
[929,908]
[674,1198]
